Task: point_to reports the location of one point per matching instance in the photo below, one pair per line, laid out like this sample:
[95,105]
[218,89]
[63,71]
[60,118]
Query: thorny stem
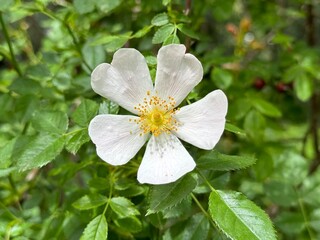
[311,40]
[6,36]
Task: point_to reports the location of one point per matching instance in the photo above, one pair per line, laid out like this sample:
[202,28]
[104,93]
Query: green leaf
[6,151]
[163,33]
[94,55]
[254,125]
[303,87]
[187,31]
[6,4]
[142,32]
[238,217]
[172,39]
[222,78]
[234,129]
[196,228]
[160,19]
[77,140]
[107,6]
[291,223]
[85,112]
[90,201]
[108,107]
[39,72]
[166,196]
[266,108]
[50,121]
[280,193]
[97,229]
[83,6]
[123,207]
[131,224]
[221,162]
[37,151]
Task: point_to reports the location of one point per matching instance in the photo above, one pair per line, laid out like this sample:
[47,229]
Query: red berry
[259,83]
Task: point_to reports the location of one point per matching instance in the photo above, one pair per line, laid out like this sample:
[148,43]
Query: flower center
[156,115]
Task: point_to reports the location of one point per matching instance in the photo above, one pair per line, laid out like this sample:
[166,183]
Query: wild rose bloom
[127,82]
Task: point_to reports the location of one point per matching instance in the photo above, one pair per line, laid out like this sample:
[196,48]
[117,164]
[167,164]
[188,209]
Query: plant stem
[205,213]
[311,40]
[6,36]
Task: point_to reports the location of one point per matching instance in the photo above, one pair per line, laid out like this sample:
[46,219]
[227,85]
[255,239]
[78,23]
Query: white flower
[127,82]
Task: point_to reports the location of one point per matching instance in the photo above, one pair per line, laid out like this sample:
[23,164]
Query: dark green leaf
[281,193]
[123,207]
[37,151]
[85,112]
[94,55]
[187,31]
[165,196]
[131,224]
[291,223]
[163,33]
[50,121]
[238,217]
[97,229]
[90,201]
[160,19]
[221,162]
[196,228]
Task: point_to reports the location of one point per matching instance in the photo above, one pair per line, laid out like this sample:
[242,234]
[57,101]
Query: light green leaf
[37,151]
[83,6]
[254,124]
[142,32]
[97,229]
[303,87]
[163,33]
[222,78]
[39,72]
[168,195]
[281,193]
[123,207]
[85,112]
[160,19]
[221,162]
[108,107]
[266,108]
[232,128]
[6,4]
[90,201]
[77,140]
[107,6]
[172,39]
[187,31]
[238,217]
[50,121]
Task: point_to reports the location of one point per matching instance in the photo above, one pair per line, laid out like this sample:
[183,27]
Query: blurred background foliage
[265,55]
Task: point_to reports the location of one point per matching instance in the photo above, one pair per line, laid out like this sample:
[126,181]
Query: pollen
[156,115]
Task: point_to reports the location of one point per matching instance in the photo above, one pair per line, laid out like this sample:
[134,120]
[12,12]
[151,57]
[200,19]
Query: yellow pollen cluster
[156,115]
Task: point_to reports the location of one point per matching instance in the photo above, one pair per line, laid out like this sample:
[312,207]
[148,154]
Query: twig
[311,40]
[6,36]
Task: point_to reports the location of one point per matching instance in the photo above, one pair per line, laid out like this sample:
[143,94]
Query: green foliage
[238,217]
[54,186]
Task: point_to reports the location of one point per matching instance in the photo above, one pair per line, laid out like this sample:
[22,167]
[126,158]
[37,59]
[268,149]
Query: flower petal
[116,137]
[164,161]
[177,72]
[202,123]
[125,81]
